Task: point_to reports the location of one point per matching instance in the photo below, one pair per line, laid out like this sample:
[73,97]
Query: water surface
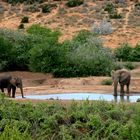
[84,96]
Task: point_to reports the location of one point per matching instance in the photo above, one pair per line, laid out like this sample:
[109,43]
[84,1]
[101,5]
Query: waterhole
[84,96]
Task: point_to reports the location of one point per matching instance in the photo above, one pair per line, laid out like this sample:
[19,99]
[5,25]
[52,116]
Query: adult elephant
[122,77]
[11,83]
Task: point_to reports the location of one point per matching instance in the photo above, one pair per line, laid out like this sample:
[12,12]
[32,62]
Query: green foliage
[25,19]
[15,56]
[74,3]
[84,120]
[123,52]
[44,34]
[135,53]
[111,9]
[48,7]
[21,26]
[127,53]
[5,49]
[129,65]
[106,82]
[43,58]
[24,1]
[115,15]
[14,134]
[83,56]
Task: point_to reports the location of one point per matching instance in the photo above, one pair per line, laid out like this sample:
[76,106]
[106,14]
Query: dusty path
[127,17]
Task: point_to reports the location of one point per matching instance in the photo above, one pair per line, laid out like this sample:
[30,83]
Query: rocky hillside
[125,22]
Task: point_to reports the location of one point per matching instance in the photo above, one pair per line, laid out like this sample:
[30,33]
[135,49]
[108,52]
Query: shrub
[120,1]
[123,52]
[109,8]
[24,1]
[74,3]
[85,57]
[103,28]
[135,53]
[129,65]
[115,15]
[20,44]
[84,120]
[5,53]
[43,33]
[25,19]
[48,7]
[21,26]
[43,58]
[14,134]
[118,65]
[126,53]
[106,82]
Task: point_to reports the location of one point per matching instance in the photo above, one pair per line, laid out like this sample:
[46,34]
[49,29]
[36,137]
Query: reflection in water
[121,98]
[85,96]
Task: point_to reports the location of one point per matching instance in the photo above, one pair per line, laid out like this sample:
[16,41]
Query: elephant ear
[13,81]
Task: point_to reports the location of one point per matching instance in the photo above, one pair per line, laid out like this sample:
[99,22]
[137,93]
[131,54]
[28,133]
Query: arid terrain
[71,20]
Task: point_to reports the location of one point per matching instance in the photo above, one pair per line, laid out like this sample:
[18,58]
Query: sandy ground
[38,83]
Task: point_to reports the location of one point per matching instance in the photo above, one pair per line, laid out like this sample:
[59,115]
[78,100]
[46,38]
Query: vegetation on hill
[39,50]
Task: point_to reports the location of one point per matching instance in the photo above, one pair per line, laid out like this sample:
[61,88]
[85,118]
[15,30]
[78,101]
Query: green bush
[127,53]
[21,26]
[74,3]
[14,134]
[118,65]
[48,7]
[107,81]
[84,120]
[135,53]
[84,56]
[109,8]
[129,65]
[25,19]
[20,44]
[5,53]
[44,34]
[43,58]
[24,1]
[115,15]
[123,52]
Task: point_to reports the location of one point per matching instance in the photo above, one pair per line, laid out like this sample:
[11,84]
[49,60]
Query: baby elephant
[10,82]
[122,77]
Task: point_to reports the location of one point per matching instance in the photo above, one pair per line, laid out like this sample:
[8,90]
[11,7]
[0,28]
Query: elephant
[10,82]
[122,77]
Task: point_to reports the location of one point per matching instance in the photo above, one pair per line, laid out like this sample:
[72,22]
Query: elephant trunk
[21,89]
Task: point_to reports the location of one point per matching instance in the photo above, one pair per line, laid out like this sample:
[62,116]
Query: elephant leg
[13,91]
[115,88]
[115,92]
[127,88]
[9,91]
[121,90]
